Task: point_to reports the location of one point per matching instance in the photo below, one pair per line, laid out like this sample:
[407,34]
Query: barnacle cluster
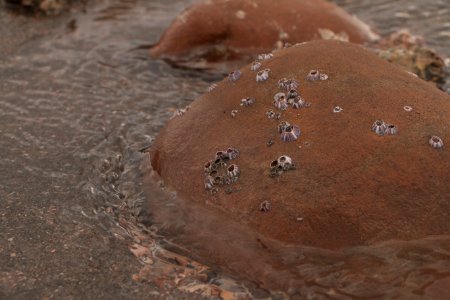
[218,172]
[381,128]
[280,165]
[290,96]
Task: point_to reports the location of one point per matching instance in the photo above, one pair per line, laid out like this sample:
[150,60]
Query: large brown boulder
[350,185]
[215,31]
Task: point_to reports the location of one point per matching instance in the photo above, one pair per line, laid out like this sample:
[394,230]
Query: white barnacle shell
[209,166]
[278,96]
[234,75]
[298,102]
[391,129]
[255,65]
[379,127]
[436,142]
[290,133]
[233,113]
[314,75]
[287,84]
[232,153]
[264,206]
[221,155]
[270,114]
[281,104]
[292,94]
[211,87]
[247,101]
[209,182]
[280,101]
[407,108]
[262,75]
[337,109]
[285,162]
[181,111]
[233,171]
[265,56]
[282,83]
[282,126]
[323,76]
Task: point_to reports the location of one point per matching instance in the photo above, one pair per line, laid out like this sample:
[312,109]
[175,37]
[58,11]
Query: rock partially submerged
[211,32]
[362,167]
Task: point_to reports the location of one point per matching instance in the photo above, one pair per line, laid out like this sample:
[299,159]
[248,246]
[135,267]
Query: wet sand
[56,240]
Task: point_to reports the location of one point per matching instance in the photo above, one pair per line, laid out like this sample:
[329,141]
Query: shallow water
[81,105]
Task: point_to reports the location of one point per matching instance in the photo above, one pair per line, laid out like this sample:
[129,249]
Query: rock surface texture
[214,31]
[353,181]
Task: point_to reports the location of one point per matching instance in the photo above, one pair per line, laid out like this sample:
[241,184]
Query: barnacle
[181,111]
[337,109]
[290,133]
[209,182]
[391,129]
[298,102]
[280,101]
[219,180]
[379,127]
[232,153]
[270,114]
[234,113]
[234,75]
[247,101]
[278,166]
[285,162]
[436,142]
[407,108]
[282,126]
[279,96]
[316,75]
[211,87]
[265,56]
[275,169]
[264,206]
[255,65]
[233,170]
[221,155]
[209,166]
[287,84]
[292,94]
[262,75]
